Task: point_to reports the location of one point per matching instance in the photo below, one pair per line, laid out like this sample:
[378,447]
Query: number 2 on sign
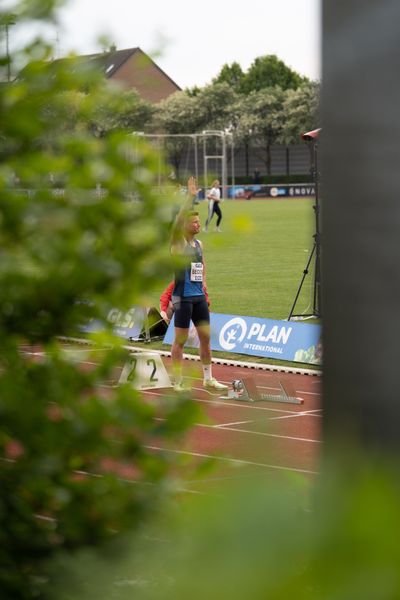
[132,371]
[151,361]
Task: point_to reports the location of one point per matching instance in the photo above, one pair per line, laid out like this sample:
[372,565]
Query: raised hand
[192,186]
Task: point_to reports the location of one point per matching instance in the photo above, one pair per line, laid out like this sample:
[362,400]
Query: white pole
[224,166]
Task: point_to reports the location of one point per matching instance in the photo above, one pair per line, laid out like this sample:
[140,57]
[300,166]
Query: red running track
[256,436]
[247,439]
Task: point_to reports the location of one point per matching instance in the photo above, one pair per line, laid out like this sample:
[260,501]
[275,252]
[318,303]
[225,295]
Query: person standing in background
[214,199]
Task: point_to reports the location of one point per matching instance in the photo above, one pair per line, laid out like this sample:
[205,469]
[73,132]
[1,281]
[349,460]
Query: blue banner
[284,340]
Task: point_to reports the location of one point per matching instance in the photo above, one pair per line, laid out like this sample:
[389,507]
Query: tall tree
[7,20]
[267,121]
[214,106]
[301,109]
[243,123]
[269,71]
[128,111]
[231,74]
[177,114]
[182,113]
[74,110]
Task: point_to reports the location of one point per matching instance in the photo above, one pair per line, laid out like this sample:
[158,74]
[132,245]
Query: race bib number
[196,271]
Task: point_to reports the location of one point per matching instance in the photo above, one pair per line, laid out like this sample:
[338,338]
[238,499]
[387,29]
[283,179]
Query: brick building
[133,69]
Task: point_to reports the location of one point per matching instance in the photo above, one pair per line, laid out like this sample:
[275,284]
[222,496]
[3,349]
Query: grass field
[255,265]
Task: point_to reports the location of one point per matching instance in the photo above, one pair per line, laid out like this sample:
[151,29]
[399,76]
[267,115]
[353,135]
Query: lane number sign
[145,370]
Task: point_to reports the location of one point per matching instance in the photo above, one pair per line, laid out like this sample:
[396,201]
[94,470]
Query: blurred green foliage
[82,229]
[262,540]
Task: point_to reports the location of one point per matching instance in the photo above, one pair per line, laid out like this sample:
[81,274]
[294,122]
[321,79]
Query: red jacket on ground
[166,296]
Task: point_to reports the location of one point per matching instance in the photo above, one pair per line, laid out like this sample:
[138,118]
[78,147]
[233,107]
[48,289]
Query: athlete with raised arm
[188,296]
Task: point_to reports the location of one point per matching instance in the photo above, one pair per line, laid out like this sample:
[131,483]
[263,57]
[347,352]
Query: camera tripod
[315,253]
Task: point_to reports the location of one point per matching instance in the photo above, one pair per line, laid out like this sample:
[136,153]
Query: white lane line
[306,413]
[263,387]
[227,427]
[87,362]
[194,378]
[230,424]
[263,434]
[221,403]
[82,362]
[134,482]
[230,363]
[201,389]
[234,460]
[309,393]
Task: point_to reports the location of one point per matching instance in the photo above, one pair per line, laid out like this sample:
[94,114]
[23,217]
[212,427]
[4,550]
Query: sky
[192,41]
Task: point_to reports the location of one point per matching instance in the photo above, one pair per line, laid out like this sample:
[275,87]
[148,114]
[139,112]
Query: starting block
[145,371]
[246,390]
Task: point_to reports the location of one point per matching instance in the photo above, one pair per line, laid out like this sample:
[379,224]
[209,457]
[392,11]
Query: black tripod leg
[305,272]
[317,285]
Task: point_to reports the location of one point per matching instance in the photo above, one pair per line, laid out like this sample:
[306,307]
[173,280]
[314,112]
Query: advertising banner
[247,192]
[284,340]
[127,325]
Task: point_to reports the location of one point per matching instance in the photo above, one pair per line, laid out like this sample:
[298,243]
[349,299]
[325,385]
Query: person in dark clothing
[214,208]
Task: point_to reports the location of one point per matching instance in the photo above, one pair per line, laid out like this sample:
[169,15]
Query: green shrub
[76,469]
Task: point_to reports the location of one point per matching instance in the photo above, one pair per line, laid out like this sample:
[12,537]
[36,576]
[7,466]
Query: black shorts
[191,308]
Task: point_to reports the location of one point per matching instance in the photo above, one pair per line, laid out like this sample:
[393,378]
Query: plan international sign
[284,340]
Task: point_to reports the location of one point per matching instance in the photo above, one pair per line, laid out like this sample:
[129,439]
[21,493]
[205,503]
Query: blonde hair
[215,183]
